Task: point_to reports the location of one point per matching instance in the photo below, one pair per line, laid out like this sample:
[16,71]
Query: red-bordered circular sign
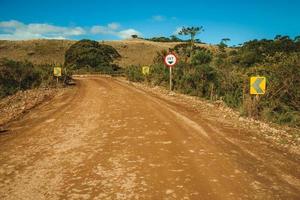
[170,59]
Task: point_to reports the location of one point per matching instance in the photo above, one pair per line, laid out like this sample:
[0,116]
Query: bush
[16,75]
[201,57]
[134,73]
[89,55]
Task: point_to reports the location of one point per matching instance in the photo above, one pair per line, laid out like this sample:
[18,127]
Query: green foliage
[91,56]
[134,73]
[192,31]
[184,52]
[283,97]
[15,75]
[202,57]
[172,38]
[225,76]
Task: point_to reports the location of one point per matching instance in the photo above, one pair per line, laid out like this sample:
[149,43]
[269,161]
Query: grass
[133,52]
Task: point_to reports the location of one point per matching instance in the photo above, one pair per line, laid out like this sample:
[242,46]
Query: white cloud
[125,34]
[113,26]
[101,30]
[15,30]
[113,29]
[158,18]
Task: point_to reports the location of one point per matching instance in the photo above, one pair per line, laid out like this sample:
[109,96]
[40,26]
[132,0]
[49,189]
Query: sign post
[145,70]
[57,73]
[170,68]
[257,87]
[170,61]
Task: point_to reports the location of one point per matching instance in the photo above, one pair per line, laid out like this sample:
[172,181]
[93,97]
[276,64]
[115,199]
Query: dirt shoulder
[282,137]
[15,106]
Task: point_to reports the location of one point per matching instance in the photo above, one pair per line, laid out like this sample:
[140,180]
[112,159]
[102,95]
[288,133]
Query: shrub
[201,57]
[91,56]
[16,75]
[134,73]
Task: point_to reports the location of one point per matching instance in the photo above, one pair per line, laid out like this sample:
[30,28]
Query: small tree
[134,36]
[223,44]
[192,31]
[225,40]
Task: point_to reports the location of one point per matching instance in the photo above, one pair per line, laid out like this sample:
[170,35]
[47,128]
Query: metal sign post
[170,61]
[170,69]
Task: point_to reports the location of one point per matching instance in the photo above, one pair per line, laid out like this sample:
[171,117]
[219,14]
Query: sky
[238,20]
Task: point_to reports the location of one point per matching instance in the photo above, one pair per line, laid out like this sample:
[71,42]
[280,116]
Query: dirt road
[108,140]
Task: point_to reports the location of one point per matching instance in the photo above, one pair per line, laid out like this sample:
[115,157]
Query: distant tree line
[172,38]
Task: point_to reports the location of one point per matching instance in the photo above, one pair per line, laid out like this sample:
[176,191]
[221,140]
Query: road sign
[170,59]
[145,70]
[57,71]
[257,85]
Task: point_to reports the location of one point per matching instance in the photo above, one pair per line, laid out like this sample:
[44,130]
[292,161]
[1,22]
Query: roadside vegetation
[224,75]
[85,56]
[91,56]
[23,75]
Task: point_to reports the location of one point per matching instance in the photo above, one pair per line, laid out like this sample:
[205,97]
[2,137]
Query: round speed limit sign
[170,60]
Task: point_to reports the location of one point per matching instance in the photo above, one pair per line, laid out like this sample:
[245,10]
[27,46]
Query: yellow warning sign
[57,71]
[145,70]
[258,85]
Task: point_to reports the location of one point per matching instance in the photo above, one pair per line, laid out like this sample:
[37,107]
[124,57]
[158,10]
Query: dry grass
[133,51]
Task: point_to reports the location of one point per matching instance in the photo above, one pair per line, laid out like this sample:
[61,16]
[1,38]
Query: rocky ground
[15,106]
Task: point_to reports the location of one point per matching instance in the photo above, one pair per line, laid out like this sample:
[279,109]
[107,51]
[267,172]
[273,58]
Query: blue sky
[112,19]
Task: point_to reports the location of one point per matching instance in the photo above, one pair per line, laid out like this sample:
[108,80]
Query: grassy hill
[133,52]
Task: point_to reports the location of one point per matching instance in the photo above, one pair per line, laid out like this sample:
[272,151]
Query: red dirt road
[109,140]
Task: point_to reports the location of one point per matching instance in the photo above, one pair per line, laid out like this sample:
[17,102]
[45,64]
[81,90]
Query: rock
[169,191]
[13,106]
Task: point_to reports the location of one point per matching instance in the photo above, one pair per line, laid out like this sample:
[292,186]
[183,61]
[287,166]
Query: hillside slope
[133,52]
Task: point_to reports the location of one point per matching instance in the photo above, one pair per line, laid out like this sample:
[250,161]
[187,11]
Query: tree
[225,40]
[134,36]
[88,54]
[192,31]
[223,44]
